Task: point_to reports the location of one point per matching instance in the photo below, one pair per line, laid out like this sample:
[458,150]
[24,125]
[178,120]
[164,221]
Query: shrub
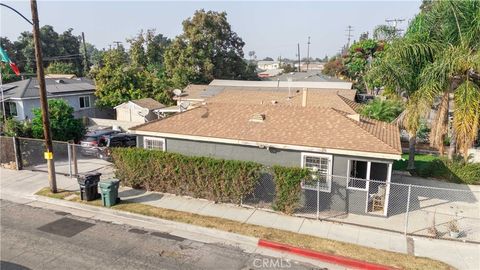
[287,188]
[200,177]
[63,125]
[15,128]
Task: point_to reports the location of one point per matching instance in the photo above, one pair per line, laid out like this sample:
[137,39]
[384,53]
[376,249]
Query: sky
[269,28]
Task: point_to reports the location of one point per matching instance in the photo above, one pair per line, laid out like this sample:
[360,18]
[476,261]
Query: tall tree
[207,49]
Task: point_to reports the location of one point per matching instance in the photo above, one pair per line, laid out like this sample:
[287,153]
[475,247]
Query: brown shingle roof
[357,107]
[322,99]
[148,103]
[290,125]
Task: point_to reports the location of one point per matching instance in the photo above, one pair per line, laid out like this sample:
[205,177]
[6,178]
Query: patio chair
[378,199]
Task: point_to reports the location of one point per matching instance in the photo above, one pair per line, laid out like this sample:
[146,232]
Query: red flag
[15,68]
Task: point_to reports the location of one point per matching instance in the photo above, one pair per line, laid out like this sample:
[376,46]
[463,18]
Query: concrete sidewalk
[458,254]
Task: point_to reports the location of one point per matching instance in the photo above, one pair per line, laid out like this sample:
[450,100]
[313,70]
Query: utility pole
[299,62]
[349,35]
[308,53]
[43,99]
[395,22]
[86,65]
[118,43]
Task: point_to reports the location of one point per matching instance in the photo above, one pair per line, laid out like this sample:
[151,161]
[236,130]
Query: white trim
[273,145]
[387,193]
[89,92]
[330,167]
[154,139]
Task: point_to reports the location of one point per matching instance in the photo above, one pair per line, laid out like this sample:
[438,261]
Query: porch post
[387,192]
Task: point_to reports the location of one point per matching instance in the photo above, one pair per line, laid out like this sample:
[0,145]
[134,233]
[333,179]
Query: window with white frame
[154,143]
[84,102]
[321,168]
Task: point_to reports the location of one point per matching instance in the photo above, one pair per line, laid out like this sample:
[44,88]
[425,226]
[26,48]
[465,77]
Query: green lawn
[456,171]
[422,161]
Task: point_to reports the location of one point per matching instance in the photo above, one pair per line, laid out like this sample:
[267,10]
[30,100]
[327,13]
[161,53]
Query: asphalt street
[36,238]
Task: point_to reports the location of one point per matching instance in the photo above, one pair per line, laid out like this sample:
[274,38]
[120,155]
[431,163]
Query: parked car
[115,140]
[93,139]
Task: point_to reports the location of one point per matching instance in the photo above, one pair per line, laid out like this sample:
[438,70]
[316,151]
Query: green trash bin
[109,191]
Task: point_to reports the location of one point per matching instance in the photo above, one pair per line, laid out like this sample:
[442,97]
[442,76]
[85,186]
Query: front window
[320,166]
[85,102]
[11,109]
[154,143]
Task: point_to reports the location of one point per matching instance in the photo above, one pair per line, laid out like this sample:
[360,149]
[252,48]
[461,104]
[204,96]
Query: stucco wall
[25,107]
[339,199]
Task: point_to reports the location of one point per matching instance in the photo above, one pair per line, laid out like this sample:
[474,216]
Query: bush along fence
[203,177]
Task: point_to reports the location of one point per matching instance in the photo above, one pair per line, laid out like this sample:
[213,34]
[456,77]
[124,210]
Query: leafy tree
[207,49]
[334,67]
[357,62]
[63,125]
[53,45]
[119,81]
[383,110]
[61,68]
[267,59]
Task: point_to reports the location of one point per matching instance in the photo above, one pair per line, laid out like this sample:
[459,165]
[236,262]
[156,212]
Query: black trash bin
[89,186]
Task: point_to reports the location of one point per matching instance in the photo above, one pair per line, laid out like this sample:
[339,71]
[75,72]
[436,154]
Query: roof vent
[257,117]
[59,81]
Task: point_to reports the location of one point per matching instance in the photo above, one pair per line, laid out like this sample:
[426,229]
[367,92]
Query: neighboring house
[305,76]
[342,148]
[138,111]
[334,84]
[267,65]
[23,96]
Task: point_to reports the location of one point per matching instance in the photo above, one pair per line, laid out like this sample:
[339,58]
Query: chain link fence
[420,207]
[410,209]
[70,159]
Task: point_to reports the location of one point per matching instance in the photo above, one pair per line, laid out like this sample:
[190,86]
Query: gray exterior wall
[25,107]
[339,199]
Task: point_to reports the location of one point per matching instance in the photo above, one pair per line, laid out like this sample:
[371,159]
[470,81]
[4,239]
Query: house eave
[389,156]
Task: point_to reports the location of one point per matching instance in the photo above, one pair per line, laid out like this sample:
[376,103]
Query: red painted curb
[340,260]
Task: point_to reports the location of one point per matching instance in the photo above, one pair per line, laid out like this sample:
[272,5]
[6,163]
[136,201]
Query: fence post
[318,199]
[69,152]
[18,154]
[408,209]
[74,159]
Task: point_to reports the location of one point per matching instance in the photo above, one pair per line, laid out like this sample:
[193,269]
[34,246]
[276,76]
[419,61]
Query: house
[139,110]
[327,84]
[343,149]
[267,65]
[21,97]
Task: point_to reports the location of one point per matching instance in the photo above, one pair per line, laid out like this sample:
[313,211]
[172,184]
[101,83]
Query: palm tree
[452,30]
[437,64]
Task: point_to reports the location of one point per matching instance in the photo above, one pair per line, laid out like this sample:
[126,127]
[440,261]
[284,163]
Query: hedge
[203,177]
[200,177]
[287,188]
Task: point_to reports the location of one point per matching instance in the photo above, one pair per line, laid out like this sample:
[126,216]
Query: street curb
[325,257]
